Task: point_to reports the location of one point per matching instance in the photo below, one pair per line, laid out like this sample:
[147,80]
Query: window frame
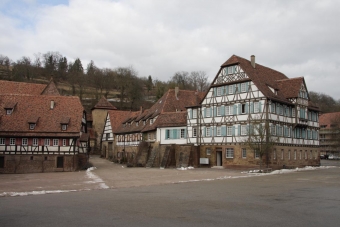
[194,113]
[229,130]
[182,133]
[194,132]
[2,141]
[244,130]
[35,142]
[229,152]
[24,141]
[46,142]
[12,141]
[218,130]
[207,132]
[55,142]
[244,152]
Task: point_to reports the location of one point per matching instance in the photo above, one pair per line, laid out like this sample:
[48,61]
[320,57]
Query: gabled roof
[36,109]
[170,119]
[50,89]
[104,104]
[290,87]
[328,119]
[11,87]
[266,78]
[117,117]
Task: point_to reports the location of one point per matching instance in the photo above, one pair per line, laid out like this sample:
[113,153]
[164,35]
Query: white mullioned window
[229,130]
[35,142]
[218,91]
[229,152]
[295,154]
[64,142]
[228,110]
[274,154]
[288,154]
[231,89]
[47,142]
[208,112]
[218,131]
[24,141]
[243,87]
[182,133]
[55,142]
[282,154]
[2,141]
[293,112]
[12,141]
[218,110]
[194,113]
[243,129]
[257,154]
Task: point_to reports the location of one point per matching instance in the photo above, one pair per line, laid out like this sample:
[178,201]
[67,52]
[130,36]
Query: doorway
[218,157]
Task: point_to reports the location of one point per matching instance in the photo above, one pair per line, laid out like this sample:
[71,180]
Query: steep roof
[50,89]
[104,104]
[170,119]
[117,117]
[290,87]
[37,109]
[11,87]
[328,119]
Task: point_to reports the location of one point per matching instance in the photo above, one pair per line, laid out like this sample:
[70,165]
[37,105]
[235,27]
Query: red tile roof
[328,119]
[117,117]
[104,104]
[10,87]
[263,76]
[36,108]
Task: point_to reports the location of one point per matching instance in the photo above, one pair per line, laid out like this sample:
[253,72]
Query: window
[218,110]
[295,155]
[64,142]
[230,69]
[256,107]
[243,108]
[218,131]
[24,141]
[208,151]
[274,154]
[273,130]
[208,112]
[228,110]
[273,107]
[244,153]
[229,130]
[218,91]
[288,154]
[229,153]
[293,112]
[182,133]
[64,127]
[137,123]
[2,141]
[9,111]
[300,155]
[208,131]
[55,142]
[167,134]
[243,129]
[35,142]
[257,154]
[282,154]
[311,155]
[149,136]
[194,113]
[12,141]
[151,121]
[47,142]
[306,155]
[194,132]
[243,87]
[107,135]
[231,89]
[32,126]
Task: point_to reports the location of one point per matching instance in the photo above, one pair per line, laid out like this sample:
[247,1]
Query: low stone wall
[42,163]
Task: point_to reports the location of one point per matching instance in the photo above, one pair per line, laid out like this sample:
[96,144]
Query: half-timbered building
[40,131]
[244,94]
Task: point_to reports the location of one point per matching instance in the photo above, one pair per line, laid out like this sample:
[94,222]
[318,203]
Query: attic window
[160,101]
[151,121]
[137,123]
[63,127]
[9,111]
[32,126]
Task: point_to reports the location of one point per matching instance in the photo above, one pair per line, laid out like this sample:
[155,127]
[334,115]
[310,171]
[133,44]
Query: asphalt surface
[304,198]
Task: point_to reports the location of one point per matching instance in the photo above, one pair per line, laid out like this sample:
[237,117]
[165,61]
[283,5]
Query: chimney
[52,104]
[252,60]
[176,92]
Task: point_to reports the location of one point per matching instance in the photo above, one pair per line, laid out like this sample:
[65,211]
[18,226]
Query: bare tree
[260,140]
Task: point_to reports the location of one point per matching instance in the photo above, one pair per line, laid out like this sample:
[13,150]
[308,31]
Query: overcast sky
[158,37]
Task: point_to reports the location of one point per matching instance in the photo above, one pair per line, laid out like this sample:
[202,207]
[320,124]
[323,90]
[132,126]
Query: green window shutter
[235,109]
[223,130]
[215,92]
[239,88]
[260,106]
[239,129]
[185,133]
[247,106]
[190,114]
[226,90]
[205,112]
[215,131]
[204,132]
[251,107]
[167,134]
[174,134]
[239,108]
[233,130]
[222,110]
[215,111]
[247,86]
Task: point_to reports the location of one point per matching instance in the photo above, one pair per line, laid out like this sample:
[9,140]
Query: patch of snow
[186,168]
[34,192]
[95,178]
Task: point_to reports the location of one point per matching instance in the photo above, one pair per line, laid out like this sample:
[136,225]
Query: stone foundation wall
[41,163]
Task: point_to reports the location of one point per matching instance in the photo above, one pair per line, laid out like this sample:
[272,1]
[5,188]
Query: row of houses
[40,130]
[211,129]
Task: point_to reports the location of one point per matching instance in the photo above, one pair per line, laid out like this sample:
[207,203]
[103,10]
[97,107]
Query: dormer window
[9,111]
[136,123]
[64,127]
[32,126]
[151,121]
[64,123]
[143,122]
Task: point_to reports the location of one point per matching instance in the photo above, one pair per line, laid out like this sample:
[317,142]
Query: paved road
[305,198]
